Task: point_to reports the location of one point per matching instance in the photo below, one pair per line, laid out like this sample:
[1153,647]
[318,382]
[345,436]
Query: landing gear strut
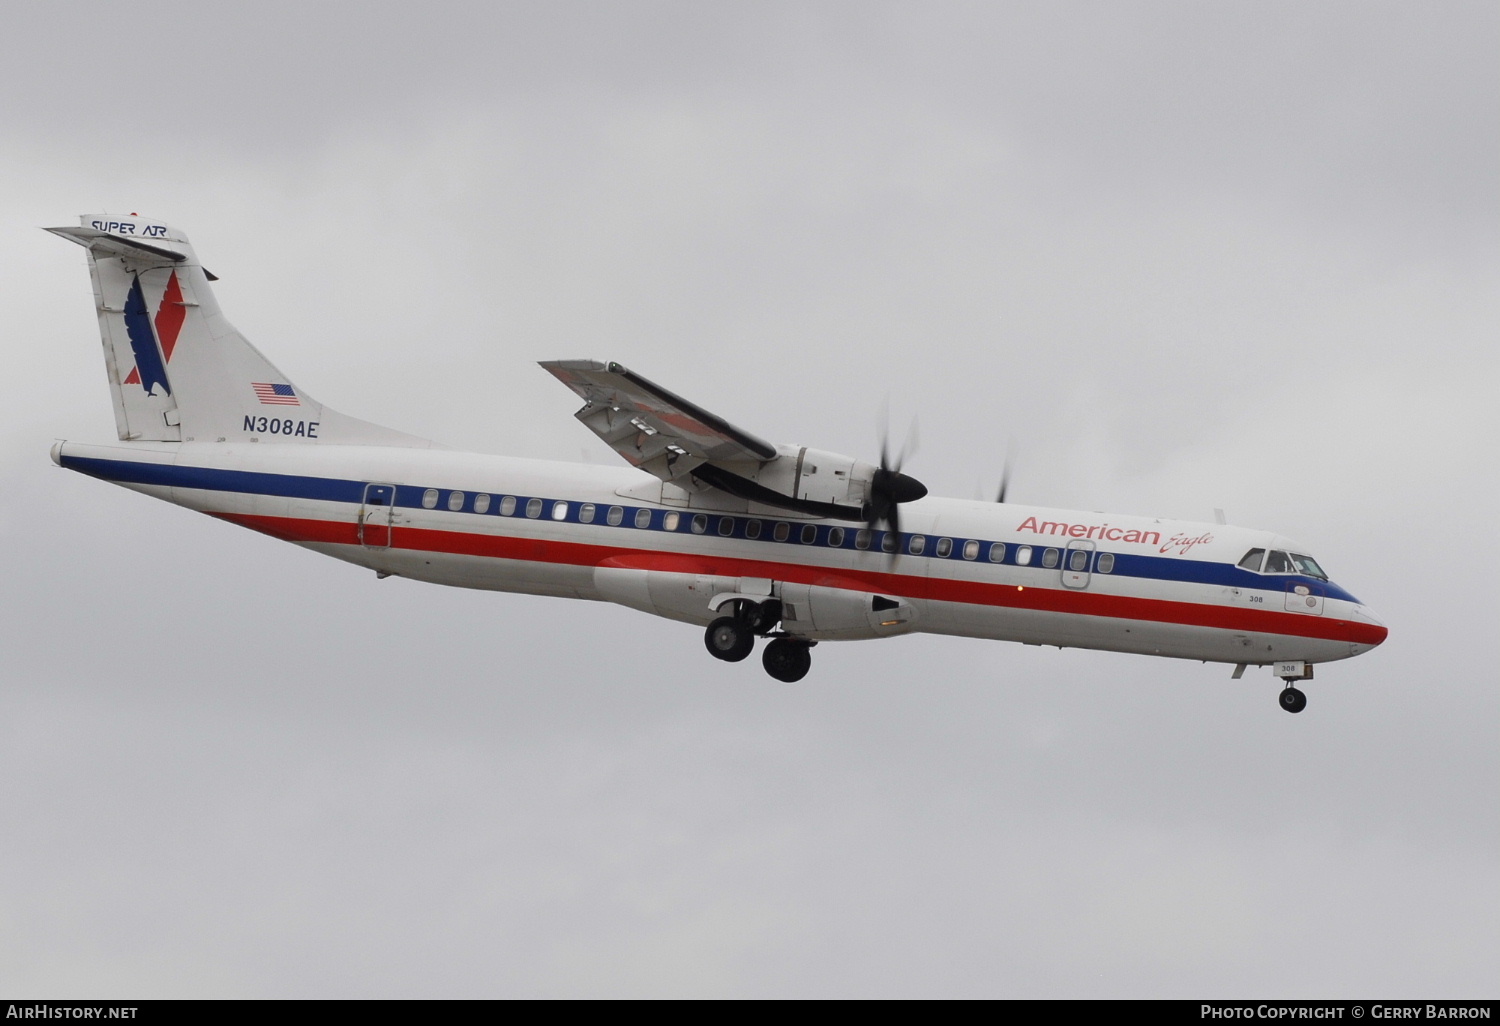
[787,659]
[1292,699]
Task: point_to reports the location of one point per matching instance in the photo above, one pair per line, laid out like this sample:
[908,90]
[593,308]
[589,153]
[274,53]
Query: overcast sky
[1166,256]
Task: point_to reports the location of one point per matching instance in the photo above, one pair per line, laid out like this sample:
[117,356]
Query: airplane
[706,524]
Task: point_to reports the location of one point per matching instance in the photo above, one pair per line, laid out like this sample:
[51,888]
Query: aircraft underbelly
[1120,634]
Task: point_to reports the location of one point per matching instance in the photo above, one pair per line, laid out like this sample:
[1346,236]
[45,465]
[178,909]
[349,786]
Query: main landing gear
[729,639]
[787,659]
[732,638]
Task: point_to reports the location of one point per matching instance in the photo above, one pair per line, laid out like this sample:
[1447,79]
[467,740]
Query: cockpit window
[1252,559]
[1277,563]
[1309,566]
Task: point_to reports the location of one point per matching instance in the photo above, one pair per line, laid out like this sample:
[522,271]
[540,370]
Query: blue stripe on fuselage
[1147,567]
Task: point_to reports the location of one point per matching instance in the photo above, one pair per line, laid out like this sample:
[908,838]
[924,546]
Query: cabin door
[377,515]
[1076,563]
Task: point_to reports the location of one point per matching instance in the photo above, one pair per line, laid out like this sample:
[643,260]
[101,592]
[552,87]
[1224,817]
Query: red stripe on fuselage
[1055,600]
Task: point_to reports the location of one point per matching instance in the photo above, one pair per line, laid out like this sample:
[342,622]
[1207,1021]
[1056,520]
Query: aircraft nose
[1369,629]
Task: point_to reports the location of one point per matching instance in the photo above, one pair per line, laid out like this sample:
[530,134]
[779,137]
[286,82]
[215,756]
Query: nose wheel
[1292,699]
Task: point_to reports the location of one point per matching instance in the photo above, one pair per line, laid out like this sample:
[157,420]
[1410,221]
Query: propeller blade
[909,447]
[889,487]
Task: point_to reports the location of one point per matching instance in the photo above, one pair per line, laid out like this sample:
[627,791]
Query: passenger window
[1277,563]
[481,503]
[917,545]
[944,547]
[862,540]
[1106,563]
[971,549]
[508,506]
[1049,558]
[700,523]
[836,537]
[726,526]
[1023,555]
[809,534]
[752,529]
[1078,560]
[997,553]
[586,513]
[783,531]
[669,522]
[429,498]
[888,542]
[615,516]
[1252,559]
[559,511]
[455,501]
[533,508]
[643,518]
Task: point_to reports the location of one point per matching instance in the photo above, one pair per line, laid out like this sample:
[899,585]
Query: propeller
[889,487]
[1004,482]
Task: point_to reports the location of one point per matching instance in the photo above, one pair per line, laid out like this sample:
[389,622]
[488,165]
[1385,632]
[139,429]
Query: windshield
[1309,566]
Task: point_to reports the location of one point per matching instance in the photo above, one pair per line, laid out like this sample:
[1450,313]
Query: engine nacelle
[816,475]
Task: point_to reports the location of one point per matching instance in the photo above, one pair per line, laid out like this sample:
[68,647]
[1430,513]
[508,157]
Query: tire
[729,639]
[787,660]
[1293,700]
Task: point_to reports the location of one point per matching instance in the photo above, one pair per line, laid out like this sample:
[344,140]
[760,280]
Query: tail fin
[178,370]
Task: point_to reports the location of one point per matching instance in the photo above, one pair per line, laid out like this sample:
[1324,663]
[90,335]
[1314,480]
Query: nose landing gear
[1290,672]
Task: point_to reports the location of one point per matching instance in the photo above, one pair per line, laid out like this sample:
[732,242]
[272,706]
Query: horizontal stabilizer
[96,241]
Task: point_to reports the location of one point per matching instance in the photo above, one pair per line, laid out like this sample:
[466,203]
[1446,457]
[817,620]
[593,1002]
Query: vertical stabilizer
[178,371]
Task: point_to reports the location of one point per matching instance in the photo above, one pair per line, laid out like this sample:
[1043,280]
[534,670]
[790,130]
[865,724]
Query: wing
[653,429]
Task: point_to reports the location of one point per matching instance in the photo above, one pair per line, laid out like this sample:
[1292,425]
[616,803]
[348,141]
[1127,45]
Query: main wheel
[1293,700]
[787,659]
[729,639]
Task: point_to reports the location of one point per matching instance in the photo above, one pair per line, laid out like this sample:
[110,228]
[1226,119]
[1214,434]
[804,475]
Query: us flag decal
[275,395]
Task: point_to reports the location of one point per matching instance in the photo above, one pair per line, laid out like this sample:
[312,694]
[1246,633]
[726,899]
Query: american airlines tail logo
[151,359]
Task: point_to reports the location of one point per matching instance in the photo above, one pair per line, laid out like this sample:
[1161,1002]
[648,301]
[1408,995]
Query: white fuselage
[1006,572]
